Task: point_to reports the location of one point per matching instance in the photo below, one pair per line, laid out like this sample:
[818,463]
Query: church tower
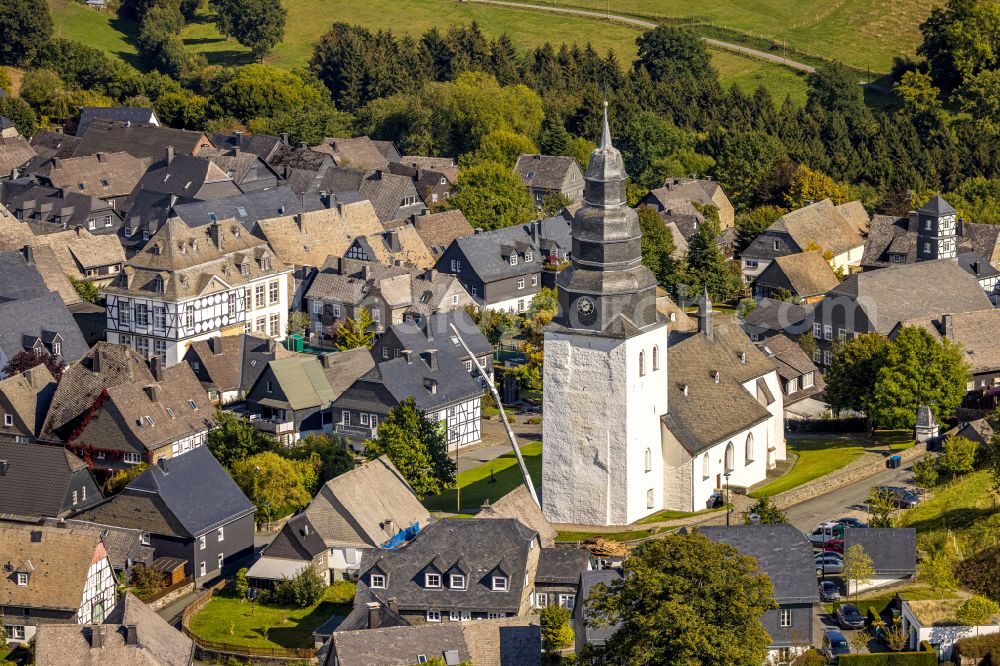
[605,378]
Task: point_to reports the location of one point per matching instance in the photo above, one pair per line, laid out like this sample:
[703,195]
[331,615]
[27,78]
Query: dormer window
[265,263]
[377,581]
[529,256]
[500,583]
[777,245]
[158,285]
[22,579]
[432,580]
[457,582]
[245,268]
[513,259]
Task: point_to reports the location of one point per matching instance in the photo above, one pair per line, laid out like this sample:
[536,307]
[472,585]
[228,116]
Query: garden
[490,481]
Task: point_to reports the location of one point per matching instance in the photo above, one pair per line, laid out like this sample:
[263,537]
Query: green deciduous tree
[356,331]
[240,584]
[853,370]
[26,26]
[685,600]
[918,370]
[925,473]
[303,591]
[87,291]
[881,504]
[958,455]
[980,97]
[233,439]
[754,222]
[808,186]
[658,247]
[416,446]
[257,24]
[557,635]
[500,146]
[766,512]
[493,323]
[491,196]
[264,91]
[976,610]
[919,99]
[21,114]
[646,143]
[298,322]
[937,571]
[858,567]
[272,482]
[960,40]
[333,453]
[707,267]
[117,481]
[669,52]
[553,203]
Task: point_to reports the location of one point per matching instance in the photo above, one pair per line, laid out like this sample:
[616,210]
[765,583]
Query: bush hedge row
[985,649]
[892,658]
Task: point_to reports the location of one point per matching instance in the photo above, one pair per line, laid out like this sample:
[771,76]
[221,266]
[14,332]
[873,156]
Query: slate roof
[297,540]
[307,239]
[264,145]
[834,228]
[359,153]
[387,191]
[350,281]
[561,565]
[21,279]
[478,546]
[792,362]
[432,385]
[48,209]
[184,496]
[596,635]
[484,253]
[782,552]
[352,509]
[78,249]
[686,190]
[518,504]
[438,230]
[130,114]
[15,152]
[88,175]
[910,291]
[343,368]
[692,363]
[805,274]
[774,315]
[148,143]
[979,430]
[898,235]
[188,177]
[550,172]
[435,333]
[233,362]
[250,207]
[235,163]
[38,479]
[28,394]
[975,330]
[893,549]
[48,144]
[300,166]
[25,322]
[57,564]
[400,244]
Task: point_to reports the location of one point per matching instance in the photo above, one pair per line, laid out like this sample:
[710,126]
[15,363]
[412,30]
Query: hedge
[873,617]
[980,648]
[890,659]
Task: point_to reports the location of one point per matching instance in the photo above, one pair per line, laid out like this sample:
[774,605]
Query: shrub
[981,572]
[890,659]
[303,591]
[146,581]
[534,420]
[556,632]
[980,648]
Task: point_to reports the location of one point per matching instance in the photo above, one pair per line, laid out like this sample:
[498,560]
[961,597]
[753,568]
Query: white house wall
[775,436]
[100,589]
[511,304]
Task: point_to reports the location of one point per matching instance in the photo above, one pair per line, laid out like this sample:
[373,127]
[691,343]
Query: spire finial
[606,132]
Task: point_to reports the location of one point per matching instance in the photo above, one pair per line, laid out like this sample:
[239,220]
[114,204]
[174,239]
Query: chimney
[341,265]
[326,360]
[102,157]
[300,221]
[97,359]
[284,138]
[393,604]
[215,233]
[303,145]
[131,635]
[430,358]
[948,326]
[705,316]
[170,154]
[29,255]
[152,392]
[79,231]
[429,330]
[305,530]
[535,230]
[408,355]
[684,389]
[374,615]
[156,368]
[975,268]
[389,526]
[960,227]
[56,163]
[715,376]
[162,464]
[96,640]
[912,221]
[430,274]
[366,272]
[392,240]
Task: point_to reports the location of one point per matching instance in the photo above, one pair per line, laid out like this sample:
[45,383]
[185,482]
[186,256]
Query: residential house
[191,284]
[838,230]
[936,621]
[550,174]
[49,481]
[453,571]
[164,414]
[266,146]
[186,177]
[675,316]
[147,143]
[248,171]
[445,165]
[29,272]
[772,317]
[585,631]
[980,431]
[49,209]
[48,144]
[519,504]
[497,642]
[124,546]
[434,333]
[557,579]
[439,230]
[252,206]
[79,254]
[304,169]
[108,176]
[893,551]
[187,508]
[439,385]
[133,633]
[364,509]
[400,245]
[42,324]
[24,399]
[228,366]
[123,114]
[800,378]
[359,153]
[876,301]
[785,555]
[54,575]
[15,151]
[393,197]
[676,192]
[434,187]
[295,548]
[974,332]
[704,450]
[805,277]
[391,295]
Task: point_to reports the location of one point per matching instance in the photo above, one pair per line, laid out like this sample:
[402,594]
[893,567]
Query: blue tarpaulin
[403,536]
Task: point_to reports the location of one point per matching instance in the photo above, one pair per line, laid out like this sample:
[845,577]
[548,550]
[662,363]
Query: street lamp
[728,507]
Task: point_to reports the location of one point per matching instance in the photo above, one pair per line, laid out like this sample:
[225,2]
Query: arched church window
[705,466]
[642,364]
[656,358]
[649,460]
[649,498]
[749,452]
[729,457]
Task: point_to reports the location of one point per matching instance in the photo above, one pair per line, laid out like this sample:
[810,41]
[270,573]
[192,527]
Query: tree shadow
[229,58]
[954,519]
[194,41]
[298,633]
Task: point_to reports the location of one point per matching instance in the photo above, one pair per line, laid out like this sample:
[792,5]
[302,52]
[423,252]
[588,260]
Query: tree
[257,24]
[117,481]
[895,638]
[646,143]
[501,147]
[881,504]
[858,567]
[416,446]
[21,114]
[834,88]
[960,41]
[263,91]
[937,571]
[146,580]
[746,161]
[754,222]
[553,203]
[544,307]
[241,585]
[494,324]
[557,635]
[853,370]
[925,473]
[26,360]
[669,52]
[658,247]
[233,439]
[87,291]
[334,454]
[491,196]
[44,91]
[303,591]
[807,343]
[26,26]
[919,99]
[980,97]
[958,455]
[554,139]
[766,513]
[5,83]
[918,370]
[357,331]
[272,482]
[298,322]
[976,610]
[707,266]
[685,600]
[809,186]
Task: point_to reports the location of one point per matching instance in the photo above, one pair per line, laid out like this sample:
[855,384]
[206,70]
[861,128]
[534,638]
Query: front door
[718,481]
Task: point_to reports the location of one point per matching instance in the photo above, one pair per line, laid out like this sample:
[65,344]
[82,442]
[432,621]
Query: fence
[228,648]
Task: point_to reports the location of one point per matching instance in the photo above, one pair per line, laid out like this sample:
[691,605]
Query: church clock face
[585,306]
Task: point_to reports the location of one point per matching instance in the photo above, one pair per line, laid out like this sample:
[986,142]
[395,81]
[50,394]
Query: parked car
[904,498]
[851,522]
[828,591]
[849,617]
[824,533]
[834,645]
[829,563]
[834,546]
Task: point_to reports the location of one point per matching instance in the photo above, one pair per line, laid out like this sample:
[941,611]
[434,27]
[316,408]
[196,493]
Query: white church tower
[605,379]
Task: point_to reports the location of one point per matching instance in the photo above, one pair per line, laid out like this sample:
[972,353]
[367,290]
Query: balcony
[273,425]
[356,431]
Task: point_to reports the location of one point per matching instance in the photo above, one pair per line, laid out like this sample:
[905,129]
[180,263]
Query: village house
[133,115]
[68,487]
[799,377]
[366,508]
[108,176]
[24,401]
[248,171]
[147,143]
[393,197]
[772,317]
[893,551]
[42,325]
[15,151]
[935,621]
[434,187]
[227,366]
[804,277]
[57,575]
[519,504]
[266,146]
[400,246]
[187,508]
[252,206]
[186,177]
[677,194]
[359,153]
[585,631]
[34,271]
[439,230]
[49,209]
[549,174]
[296,547]
[191,284]
[48,143]
[304,170]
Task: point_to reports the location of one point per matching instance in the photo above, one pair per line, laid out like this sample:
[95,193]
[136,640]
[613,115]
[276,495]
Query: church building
[614,452]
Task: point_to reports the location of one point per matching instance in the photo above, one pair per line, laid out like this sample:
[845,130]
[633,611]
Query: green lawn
[822,454]
[226,619]
[749,74]
[963,512]
[102,30]
[673,515]
[475,483]
[881,599]
[611,536]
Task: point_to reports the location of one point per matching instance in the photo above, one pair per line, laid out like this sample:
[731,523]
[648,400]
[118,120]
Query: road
[648,25]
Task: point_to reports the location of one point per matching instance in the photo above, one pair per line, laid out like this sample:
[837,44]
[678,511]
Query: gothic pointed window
[649,498]
[705,465]
[642,364]
[649,460]
[749,451]
[729,457]
[656,358]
